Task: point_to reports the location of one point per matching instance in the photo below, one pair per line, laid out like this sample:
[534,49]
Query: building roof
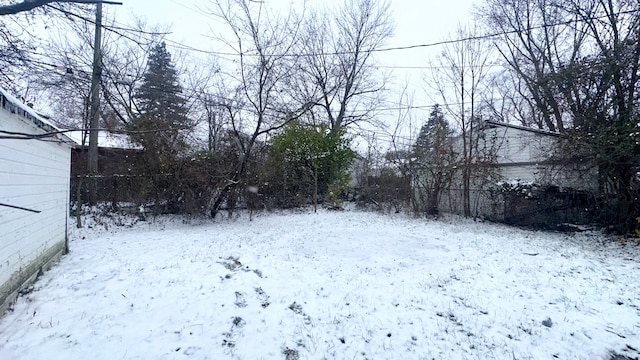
[15,106]
[491,123]
[105,140]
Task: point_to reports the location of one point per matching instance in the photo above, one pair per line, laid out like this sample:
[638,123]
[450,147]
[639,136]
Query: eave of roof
[29,114]
[492,123]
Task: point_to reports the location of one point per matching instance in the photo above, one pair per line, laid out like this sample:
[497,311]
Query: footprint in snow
[263,297]
[240,300]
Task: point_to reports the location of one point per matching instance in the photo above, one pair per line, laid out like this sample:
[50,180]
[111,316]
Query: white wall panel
[34,174]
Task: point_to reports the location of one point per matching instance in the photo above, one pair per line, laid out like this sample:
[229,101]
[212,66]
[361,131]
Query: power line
[118,30]
[392,67]
[105,27]
[427,45]
[433,67]
[407,107]
[392,107]
[196,10]
[176,44]
[13,135]
[500,33]
[120,26]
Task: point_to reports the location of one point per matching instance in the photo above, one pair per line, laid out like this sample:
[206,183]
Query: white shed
[525,155]
[35,163]
[522,153]
[524,180]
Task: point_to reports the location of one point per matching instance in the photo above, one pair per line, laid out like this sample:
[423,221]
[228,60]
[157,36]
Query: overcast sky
[416,23]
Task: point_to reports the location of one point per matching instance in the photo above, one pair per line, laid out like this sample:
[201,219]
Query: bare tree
[511,102]
[338,65]
[460,76]
[204,80]
[28,5]
[19,45]
[579,62]
[13,53]
[535,47]
[265,45]
[602,97]
[214,115]
[66,82]
[18,41]
[65,85]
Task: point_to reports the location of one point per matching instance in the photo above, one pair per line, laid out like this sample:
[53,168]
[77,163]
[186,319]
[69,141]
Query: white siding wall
[522,154]
[34,174]
[526,156]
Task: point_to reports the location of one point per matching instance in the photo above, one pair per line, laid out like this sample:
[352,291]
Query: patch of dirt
[234,264]
[628,353]
[231,263]
[297,308]
[290,354]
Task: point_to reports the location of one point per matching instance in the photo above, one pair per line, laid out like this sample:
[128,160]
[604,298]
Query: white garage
[34,195]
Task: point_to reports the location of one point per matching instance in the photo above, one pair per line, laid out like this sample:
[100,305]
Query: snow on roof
[105,140]
[30,114]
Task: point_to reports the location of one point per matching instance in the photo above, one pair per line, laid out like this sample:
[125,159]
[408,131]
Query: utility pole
[94,120]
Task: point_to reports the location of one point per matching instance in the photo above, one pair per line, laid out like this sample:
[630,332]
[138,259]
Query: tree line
[301,83]
[293,83]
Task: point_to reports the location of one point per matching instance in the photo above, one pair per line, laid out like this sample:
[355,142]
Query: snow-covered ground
[331,285]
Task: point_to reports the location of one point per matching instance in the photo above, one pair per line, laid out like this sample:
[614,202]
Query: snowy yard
[331,285]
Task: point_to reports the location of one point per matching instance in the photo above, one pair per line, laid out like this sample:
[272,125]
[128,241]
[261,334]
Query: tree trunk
[235,180]
[222,196]
[627,211]
[315,188]
[466,175]
[79,201]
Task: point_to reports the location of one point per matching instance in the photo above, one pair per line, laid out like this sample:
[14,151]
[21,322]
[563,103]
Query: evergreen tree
[435,159]
[161,104]
[160,127]
[434,136]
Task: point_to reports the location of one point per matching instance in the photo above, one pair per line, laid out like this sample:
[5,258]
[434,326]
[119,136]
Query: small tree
[312,153]
[265,46]
[434,160]
[460,76]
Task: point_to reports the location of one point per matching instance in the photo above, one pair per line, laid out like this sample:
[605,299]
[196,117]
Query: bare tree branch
[28,5]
